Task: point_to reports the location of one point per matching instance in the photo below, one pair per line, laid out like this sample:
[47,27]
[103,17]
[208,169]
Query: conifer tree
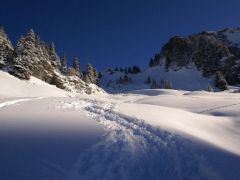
[148,81]
[136,70]
[6,49]
[91,75]
[168,84]
[130,70]
[64,63]
[26,53]
[151,62]
[154,84]
[76,66]
[54,59]
[99,75]
[126,70]
[220,81]
[125,78]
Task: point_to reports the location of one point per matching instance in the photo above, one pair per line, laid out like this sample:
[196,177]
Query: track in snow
[9,103]
[132,149]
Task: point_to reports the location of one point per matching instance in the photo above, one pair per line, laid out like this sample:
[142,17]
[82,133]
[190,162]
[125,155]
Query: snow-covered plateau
[49,134]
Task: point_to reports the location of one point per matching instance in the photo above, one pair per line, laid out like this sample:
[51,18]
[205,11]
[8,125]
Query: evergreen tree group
[128,70]
[34,57]
[155,61]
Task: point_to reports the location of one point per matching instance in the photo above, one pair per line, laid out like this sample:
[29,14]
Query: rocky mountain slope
[215,56]
[34,57]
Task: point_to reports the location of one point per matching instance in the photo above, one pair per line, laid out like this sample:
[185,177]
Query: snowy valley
[48,133]
[177,119]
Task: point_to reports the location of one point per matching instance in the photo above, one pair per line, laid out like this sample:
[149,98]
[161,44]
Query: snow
[233,36]
[218,131]
[48,133]
[14,87]
[189,79]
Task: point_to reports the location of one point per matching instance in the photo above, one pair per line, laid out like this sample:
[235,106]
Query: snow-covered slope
[14,87]
[188,113]
[230,36]
[184,79]
[144,134]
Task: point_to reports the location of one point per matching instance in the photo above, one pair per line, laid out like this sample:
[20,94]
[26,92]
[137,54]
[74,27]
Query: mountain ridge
[215,55]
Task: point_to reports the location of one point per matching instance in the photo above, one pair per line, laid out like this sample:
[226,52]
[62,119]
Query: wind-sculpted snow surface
[132,149]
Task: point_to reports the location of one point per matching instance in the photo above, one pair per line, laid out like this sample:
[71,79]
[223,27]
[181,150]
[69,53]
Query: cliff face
[34,57]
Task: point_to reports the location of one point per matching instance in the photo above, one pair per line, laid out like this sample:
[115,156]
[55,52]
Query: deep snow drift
[47,133]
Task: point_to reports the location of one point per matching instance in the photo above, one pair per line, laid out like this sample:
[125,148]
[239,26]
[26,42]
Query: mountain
[32,57]
[197,62]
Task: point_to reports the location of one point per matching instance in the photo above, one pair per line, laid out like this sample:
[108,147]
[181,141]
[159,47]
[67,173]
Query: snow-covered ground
[189,79]
[47,133]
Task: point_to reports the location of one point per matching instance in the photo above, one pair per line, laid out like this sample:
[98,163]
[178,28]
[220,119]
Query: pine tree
[148,81]
[125,78]
[156,60]
[151,62]
[54,59]
[99,75]
[136,70]
[26,53]
[91,75]
[109,83]
[126,70]
[120,80]
[220,81]
[96,76]
[76,66]
[31,36]
[64,64]
[168,84]
[154,84]
[130,70]
[6,49]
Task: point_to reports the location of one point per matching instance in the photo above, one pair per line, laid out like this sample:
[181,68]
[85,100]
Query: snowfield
[47,133]
[189,79]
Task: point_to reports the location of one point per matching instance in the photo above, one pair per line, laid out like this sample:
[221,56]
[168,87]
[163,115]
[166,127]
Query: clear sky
[112,33]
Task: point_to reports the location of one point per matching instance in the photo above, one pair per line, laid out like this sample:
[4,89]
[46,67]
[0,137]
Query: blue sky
[112,33]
